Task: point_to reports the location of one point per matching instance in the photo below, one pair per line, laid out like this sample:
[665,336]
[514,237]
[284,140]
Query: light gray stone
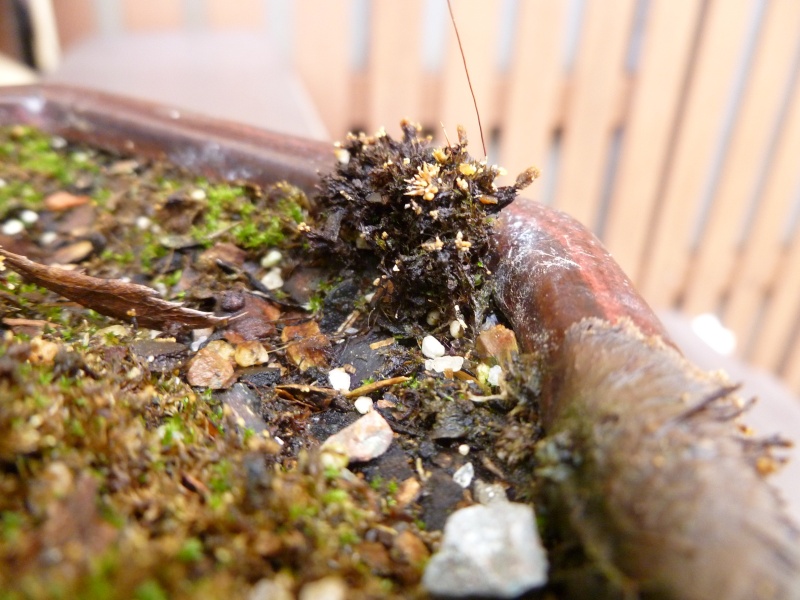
[493,551]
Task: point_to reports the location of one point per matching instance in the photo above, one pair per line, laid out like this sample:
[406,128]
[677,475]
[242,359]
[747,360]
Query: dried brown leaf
[111,297]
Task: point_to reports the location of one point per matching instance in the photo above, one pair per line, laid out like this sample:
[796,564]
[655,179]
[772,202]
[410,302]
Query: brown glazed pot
[674,506]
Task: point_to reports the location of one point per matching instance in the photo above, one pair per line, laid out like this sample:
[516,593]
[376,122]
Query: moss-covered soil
[131,467]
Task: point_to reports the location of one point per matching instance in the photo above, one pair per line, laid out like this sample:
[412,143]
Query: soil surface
[170,460]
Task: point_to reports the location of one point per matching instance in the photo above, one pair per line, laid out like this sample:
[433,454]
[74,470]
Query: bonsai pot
[662,490]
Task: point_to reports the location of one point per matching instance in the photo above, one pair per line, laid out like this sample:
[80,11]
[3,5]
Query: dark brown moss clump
[421,215]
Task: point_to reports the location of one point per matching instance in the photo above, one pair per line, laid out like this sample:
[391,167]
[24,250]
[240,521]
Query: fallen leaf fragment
[129,302]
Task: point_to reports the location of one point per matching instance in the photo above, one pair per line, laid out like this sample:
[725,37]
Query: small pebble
[495,375]
[340,379]
[363,404]
[463,476]
[271,258]
[431,347]
[367,438]
[3,183]
[251,353]
[210,369]
[198,194]
[48,237]
[490,551]
[486,493]
[331,587]
[445,363]
[273,280]
[463,449]
[433,317]
[12,227]
[342,155]
[61,200]
[143,223]
[28,216]
[456,329]
[57,142]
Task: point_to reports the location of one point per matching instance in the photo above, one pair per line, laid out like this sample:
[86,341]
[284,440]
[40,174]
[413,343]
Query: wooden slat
[754,272]
[478,22]
[750,143]
[718,58]
[321,52]
[146,15]
[76,21]
[666,51]
[241,14]
[395,71]
[534,88]
[791,372]
[598,75]
[776,329]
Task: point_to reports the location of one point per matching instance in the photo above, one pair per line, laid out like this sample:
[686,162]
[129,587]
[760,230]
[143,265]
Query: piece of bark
[660,484]
[129,302]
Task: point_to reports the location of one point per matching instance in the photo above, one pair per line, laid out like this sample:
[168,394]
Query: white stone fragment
[495,375]
[12,227]
[463,476]
[340,379]
[367,438]
[363,404]
[431,347]
[456,329]
[491,551]
[444,363]
[48,237]
[463,449]
[273,280]
[143,223]
[198,194]
[29,216]
[271,258]
[342,155]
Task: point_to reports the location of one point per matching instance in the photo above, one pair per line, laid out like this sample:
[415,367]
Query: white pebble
[431,347]
[48,237]
[57,142]
[198,194]
[456,329]
[3,183]
[273,280]
[495,375]
[363,404]
[271,258]
[13,227]
[29,216]
[464,475]
[463,449]
[143,223]
[445,363]
[340,379]
[342,155]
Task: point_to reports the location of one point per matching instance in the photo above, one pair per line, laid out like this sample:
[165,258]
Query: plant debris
[421,215]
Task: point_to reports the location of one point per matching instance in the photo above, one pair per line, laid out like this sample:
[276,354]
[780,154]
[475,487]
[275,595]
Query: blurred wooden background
[669,127]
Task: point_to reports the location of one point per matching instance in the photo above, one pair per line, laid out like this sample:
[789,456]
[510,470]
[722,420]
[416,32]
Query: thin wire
[466,70]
